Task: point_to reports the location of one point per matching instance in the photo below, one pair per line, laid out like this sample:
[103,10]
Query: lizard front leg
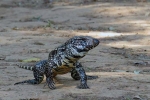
[83,77]
[76,76]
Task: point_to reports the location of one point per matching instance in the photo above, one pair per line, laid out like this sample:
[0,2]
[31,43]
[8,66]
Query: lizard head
[82,44]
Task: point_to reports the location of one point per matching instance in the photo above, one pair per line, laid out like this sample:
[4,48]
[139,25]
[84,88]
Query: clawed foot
[91,77]
[83,86]
[50,83]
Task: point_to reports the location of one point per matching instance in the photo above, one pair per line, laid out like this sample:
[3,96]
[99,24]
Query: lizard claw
[83,86]
[50,83]
[91,77]
[45,85]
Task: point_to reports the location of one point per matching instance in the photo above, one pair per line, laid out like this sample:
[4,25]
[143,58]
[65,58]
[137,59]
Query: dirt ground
[30,28]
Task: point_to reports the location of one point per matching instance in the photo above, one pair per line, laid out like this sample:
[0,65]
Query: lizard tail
[32,81]
[37,80]
[26,67]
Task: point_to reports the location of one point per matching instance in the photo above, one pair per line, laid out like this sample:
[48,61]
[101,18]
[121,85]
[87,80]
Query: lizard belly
[62,70]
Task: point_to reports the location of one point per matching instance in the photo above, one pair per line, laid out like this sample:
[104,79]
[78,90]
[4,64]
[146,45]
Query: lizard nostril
[96,41]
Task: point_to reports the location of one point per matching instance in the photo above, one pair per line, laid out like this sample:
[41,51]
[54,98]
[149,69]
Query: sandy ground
[30,29]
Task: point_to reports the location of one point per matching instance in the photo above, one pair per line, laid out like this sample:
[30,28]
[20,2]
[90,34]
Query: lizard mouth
[95,42]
